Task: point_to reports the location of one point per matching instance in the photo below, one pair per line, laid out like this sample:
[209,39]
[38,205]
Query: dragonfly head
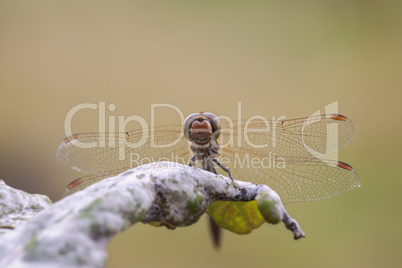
[201,128]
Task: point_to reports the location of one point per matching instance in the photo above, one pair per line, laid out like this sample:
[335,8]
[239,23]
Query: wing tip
[71,138]
[344,165]
[338,117]
[74,183]
[70,187]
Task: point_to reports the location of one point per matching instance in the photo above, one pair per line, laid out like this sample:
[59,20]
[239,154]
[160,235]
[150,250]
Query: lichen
[33,244]
[195,207]
[269,208]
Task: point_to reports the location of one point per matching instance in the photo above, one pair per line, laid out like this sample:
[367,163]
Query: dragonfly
[287,155]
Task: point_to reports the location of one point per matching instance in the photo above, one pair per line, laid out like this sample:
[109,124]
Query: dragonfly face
[201,128]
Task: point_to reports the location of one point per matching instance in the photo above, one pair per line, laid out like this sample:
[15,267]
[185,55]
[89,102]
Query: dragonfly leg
[212,165]
[223,167]
[192,161]
[215,152]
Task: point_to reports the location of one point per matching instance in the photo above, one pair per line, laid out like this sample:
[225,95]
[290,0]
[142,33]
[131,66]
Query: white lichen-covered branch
[162,194]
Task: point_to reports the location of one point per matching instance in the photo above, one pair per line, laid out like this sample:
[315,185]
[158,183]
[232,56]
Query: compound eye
[187,125]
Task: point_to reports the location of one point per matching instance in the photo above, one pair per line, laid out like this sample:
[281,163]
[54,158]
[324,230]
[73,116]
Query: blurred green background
[275,57]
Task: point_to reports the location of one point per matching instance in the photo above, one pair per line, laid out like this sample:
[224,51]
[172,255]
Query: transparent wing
[102,152]
[311,180]
[81,183]
[297,182]
[295,140]
[285,155]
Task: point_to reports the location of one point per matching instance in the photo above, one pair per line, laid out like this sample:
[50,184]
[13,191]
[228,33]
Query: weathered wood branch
[74,232]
